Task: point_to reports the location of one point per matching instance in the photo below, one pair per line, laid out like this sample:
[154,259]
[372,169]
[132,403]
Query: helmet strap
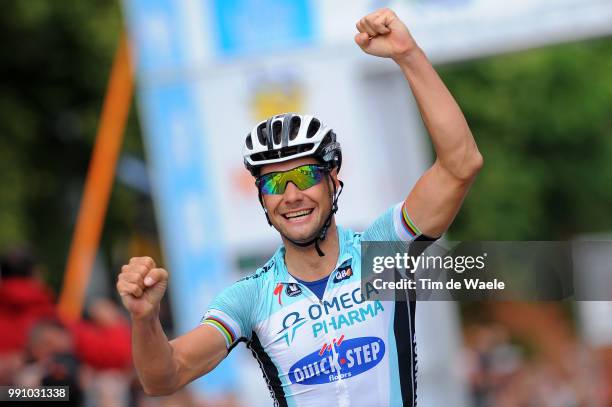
[263,206]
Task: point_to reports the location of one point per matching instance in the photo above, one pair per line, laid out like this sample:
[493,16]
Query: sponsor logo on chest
[338,313]
[342,359]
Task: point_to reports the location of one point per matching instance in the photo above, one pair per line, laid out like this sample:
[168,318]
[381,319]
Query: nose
[292,193]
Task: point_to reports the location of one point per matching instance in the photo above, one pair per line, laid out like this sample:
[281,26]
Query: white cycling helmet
[287,136]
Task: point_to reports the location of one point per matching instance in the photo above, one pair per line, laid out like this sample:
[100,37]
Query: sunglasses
[303,177]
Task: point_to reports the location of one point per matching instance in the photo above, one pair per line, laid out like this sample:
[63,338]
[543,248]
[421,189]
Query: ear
[263,201]
[265,209]
[334,176]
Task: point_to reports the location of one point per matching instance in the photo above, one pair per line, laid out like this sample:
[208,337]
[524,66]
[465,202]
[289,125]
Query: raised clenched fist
[383,34]
[141,285]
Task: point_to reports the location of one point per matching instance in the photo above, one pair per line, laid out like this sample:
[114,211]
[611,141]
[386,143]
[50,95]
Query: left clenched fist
[383,34]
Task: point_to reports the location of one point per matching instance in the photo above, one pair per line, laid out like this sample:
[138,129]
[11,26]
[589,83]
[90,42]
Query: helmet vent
[294,127]
[285,152]
[249,142]
[313,127]
[261,135]
[277,127]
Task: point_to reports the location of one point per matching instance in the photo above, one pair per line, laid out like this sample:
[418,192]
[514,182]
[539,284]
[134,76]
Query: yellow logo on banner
[276,98]
[269,97]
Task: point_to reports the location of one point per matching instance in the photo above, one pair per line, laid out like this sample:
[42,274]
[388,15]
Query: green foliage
[56,58]
[543,121]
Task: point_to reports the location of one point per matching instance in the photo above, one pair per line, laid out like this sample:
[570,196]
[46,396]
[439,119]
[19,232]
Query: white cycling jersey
[340,350]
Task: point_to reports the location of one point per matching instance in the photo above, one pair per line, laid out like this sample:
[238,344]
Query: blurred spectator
[491,360]
[104,342]
[92,357]
[110,388]
[47,338]
[51,360]
[63,369]
[36,348]
[24,299]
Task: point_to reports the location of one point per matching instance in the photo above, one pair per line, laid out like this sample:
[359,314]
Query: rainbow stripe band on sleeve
[409,226]
[229,334]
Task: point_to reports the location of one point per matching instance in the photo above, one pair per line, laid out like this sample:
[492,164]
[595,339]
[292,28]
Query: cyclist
[317,340]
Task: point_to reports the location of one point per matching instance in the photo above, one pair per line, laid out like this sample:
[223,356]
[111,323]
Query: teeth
[297,214]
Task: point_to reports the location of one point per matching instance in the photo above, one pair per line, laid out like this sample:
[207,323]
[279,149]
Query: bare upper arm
[197,353]
[435,199]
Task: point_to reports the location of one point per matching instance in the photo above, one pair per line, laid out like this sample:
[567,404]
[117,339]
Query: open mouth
[298,214]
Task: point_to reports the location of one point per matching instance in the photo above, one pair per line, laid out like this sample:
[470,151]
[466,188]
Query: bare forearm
[153,357]
[163,367]
[450,134]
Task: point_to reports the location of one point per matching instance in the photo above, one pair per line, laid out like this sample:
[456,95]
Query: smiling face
[299,215]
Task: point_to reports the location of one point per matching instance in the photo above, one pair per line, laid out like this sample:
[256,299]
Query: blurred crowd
[502,373]
[92,356]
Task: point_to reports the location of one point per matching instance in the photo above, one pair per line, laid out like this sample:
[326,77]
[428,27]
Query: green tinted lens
[303,177]
[270,184]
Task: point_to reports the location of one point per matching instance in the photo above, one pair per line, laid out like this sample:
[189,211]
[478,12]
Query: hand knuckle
[122,288]
[143,261]
[159,275]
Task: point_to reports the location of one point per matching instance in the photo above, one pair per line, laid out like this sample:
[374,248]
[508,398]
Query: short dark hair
[17,262]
